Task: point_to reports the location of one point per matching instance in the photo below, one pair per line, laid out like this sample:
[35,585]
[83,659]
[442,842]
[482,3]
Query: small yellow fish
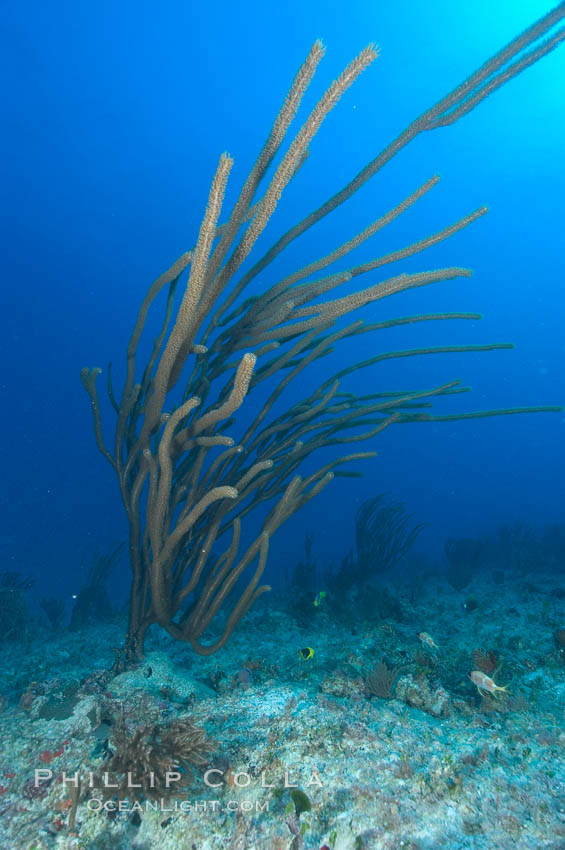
[428,639]
[485,684]
[306,653]
[320,598]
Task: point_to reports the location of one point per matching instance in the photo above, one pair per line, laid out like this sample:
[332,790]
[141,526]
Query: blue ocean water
[114,119]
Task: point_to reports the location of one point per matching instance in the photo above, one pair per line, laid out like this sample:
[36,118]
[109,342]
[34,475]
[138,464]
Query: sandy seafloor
[436,766]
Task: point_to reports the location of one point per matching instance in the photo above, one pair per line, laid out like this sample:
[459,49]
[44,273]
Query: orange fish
[485,685]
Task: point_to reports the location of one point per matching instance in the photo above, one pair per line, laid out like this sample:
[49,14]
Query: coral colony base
[382,703]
